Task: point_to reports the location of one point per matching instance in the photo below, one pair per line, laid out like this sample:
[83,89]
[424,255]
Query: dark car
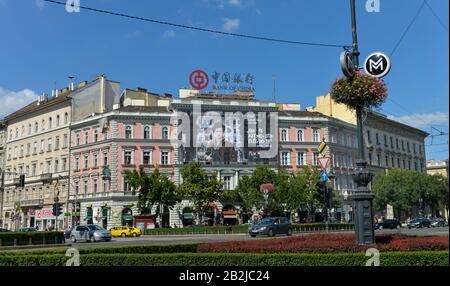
[271,226]
[27,229]
[4,230]
[419,223]
[388,223]
[438,222]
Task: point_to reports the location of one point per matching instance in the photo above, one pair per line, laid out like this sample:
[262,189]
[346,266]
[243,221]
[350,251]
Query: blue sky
[42,44]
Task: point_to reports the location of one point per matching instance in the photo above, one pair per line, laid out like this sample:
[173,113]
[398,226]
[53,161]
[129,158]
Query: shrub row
[436,258]
[325,243]
[136,249]
[31,238]
[311,227]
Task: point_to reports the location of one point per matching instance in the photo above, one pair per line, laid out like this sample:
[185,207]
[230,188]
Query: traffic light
[22,181]
[57,209]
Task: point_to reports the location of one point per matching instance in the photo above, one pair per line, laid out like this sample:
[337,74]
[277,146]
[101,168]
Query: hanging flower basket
[361,91]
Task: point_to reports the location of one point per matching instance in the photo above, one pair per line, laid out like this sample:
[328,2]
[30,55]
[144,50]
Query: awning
[188,216]
[127,217]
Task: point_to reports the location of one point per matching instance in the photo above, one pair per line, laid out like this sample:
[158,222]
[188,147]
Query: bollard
[15,242]
[30,241]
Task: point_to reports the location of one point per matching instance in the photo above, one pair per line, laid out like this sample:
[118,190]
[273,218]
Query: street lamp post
[362,198]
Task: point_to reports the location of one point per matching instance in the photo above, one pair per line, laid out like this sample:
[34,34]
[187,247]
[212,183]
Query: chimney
[71,86]
[56,92]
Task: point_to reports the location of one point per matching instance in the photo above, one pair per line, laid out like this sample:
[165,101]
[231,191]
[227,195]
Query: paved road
[172,239]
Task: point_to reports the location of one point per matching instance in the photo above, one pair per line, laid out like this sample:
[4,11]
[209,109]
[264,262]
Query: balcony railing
[32,203]
[47,177]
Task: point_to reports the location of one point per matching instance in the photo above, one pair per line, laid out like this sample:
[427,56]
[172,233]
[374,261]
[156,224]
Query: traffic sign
[377,64]
[347,66]
[324,176]
[323,148]
[323,162]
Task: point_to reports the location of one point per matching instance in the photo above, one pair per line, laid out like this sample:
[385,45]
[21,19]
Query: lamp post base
[362,205]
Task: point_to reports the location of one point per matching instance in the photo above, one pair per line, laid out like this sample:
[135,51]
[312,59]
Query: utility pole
[362,198]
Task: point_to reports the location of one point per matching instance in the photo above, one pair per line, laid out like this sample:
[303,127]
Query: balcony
[46,178]
[32,203]
[16,181]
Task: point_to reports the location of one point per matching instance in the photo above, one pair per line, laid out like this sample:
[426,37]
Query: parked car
[419,223]
[27,229]
[125,231]
[4,230]
[271,226]
[438,222]
[388,223]
[67,232]
[90,233]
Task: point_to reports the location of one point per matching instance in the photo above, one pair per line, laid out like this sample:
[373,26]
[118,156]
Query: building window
[86,162]
[164,158]
[86,137]
[227,182]
[407,147]
[49,145]
[36,127]
[398,162]
[127,157]
[34,148]
[403,145]
[42,125]
[392,162]
[379,159]
[95,160]
[377,137]
[146,157]
[57,143]
[165,133]
[95,135]
[299,135]
[28,149]
[66,118]
[284,158]
[147,134]
[85,186]
[50,121]
[17,132]
[386,161]
[370,158]
[396,141]
[342,142]
[414,148]
[94,185]
[65,141]
[77,164]
[316,135]
[128,132]
[333,137]
[56,167]
[392,142]
[64,164]
[57,120]
[49,167]
[21,150]
[33,169]
[77,139]
[385,140]
[369,139]
[77,188]
[105,185]
[284,136]
[315,158]
[29,129]
[105,158]
[301,159]
[42,145]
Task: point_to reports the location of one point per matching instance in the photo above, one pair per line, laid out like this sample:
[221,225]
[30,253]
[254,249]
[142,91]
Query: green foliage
[27,238]
[154,189]
[198,187]
[404,189]
[432,258]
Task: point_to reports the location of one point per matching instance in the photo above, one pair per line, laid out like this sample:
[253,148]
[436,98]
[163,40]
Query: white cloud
[221,4]
[40,4]
[423,120]
[169,34]
[230,24]
[14,100]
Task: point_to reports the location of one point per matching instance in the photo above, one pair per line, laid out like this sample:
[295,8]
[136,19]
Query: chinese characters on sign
[222,81]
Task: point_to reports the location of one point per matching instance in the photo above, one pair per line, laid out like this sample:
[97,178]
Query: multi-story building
[301,133]
[37,146]
[388,143]
[438,167]
[2,164]
[104,147]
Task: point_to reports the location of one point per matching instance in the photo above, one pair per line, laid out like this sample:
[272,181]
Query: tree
[199,188]
[154,189]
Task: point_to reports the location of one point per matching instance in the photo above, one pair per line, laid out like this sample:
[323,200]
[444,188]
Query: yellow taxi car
[125,231]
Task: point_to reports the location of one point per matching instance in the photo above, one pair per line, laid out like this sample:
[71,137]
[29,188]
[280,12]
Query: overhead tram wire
[408,27]
[247,36]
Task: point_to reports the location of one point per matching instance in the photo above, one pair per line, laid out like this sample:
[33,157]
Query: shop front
[45,220]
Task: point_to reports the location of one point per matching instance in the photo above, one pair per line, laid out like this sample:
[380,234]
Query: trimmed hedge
[31,238]
[310,227]
[137,249]
[436,258]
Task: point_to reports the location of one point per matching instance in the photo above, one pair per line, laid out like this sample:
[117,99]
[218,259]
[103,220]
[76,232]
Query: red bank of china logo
[199,79]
